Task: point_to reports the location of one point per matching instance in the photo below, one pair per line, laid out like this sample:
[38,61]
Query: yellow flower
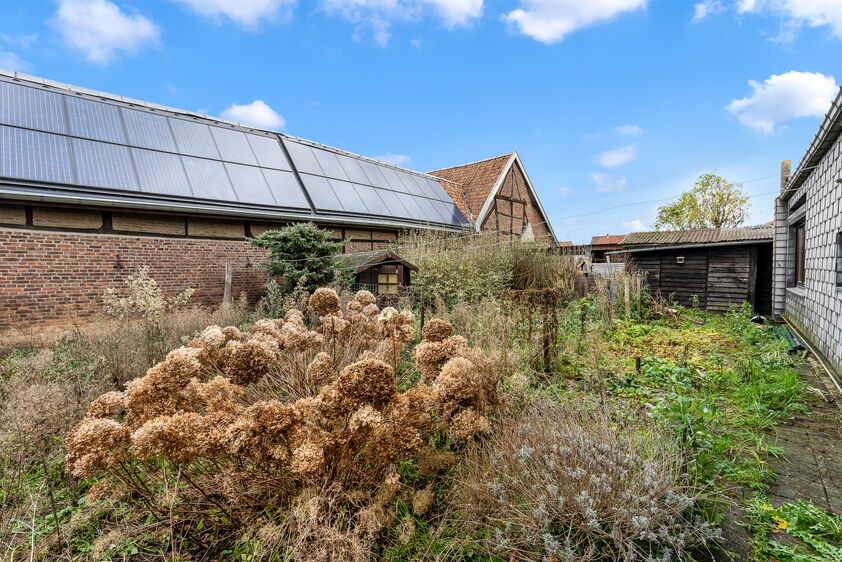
[782,523]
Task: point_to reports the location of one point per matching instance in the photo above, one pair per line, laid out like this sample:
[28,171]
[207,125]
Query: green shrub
[301,251]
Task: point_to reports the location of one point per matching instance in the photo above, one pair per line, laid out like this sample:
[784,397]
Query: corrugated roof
[700,236]
[475,182]
[607,240]
[63,143]
[565,243]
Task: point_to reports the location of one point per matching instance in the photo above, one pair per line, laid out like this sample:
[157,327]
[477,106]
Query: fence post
[226,295]
[422,309]
[626,294]
[637,277]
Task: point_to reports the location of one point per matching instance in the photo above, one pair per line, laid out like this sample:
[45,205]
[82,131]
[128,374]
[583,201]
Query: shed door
[729,275]
[684,275]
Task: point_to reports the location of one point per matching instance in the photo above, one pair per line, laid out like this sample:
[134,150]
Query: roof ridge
[508,155]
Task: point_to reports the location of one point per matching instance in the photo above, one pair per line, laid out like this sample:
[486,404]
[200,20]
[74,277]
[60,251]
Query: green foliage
[301,251]
[818,531]
[713,202]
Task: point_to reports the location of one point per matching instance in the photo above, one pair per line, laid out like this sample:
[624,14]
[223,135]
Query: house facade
[808,241]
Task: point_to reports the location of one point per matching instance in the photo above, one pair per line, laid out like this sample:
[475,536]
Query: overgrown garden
[523,422]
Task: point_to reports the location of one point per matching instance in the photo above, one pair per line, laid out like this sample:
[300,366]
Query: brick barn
[94,185]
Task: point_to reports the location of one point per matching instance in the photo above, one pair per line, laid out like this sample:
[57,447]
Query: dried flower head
[108,405]
[321,369]
[325,302]
[95,445]
[436,330]
[365,298]
[248,361]
[367,382]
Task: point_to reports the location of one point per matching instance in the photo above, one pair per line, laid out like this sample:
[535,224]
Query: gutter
[818,356]
[691,246]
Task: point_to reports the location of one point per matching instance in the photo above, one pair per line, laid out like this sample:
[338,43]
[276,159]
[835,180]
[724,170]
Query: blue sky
[610,103]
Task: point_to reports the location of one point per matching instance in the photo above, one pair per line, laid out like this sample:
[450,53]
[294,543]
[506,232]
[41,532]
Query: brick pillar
[786,172]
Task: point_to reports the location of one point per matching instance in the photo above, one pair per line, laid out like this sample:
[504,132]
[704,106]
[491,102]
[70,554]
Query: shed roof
[360,261]
[63,143]
[700,236]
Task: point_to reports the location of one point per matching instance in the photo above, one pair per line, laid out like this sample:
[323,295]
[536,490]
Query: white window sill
[799,292]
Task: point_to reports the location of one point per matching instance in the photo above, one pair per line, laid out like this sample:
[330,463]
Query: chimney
[786,172]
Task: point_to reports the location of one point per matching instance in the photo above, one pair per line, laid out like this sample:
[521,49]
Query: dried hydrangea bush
[250,419]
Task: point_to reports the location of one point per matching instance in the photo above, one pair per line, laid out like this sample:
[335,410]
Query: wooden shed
[719,267]
[382,272]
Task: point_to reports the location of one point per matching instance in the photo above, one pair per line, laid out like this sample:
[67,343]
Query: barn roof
[700,236]
[62,143]
[360,261]
[470,184]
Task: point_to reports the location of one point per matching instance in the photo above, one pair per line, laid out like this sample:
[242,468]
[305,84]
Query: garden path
[810,467]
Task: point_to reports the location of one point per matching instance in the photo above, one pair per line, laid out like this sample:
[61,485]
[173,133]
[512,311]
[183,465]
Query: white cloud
[782,97]
[11,61]
[417,43]
[396,159]
[706,8]
[246,13]
[22,41]
[375,17]
[549,21]
[630,130]
[605,183]
[617,156]
[256,114]
[635,225]
[812,13]
[99,29]
[564,191]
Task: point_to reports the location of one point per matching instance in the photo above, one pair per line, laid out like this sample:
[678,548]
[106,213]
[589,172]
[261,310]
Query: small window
[387,283]
[800,261]
[839,259]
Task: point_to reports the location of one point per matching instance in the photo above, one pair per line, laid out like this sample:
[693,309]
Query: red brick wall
[50,276]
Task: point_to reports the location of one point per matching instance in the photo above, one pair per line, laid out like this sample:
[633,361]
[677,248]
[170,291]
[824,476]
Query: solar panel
[450,212]
[31,108]
[268,152]
[410,185]
[372,201]
[330,164]
[348,196]
[286,189]
[303,158]
[161,173]
[425,188]
[208,179]
[233,145]
[353,170]
[414,209]
[390,199]
[395,184]
[101,164]
[148,130]
[94,120]
[431,210]
[375,178]
[36,156]
[321,193]
[249,184]
[436,189]
[193,139]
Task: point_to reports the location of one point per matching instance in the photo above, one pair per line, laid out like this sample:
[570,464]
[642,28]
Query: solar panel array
[64,138]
